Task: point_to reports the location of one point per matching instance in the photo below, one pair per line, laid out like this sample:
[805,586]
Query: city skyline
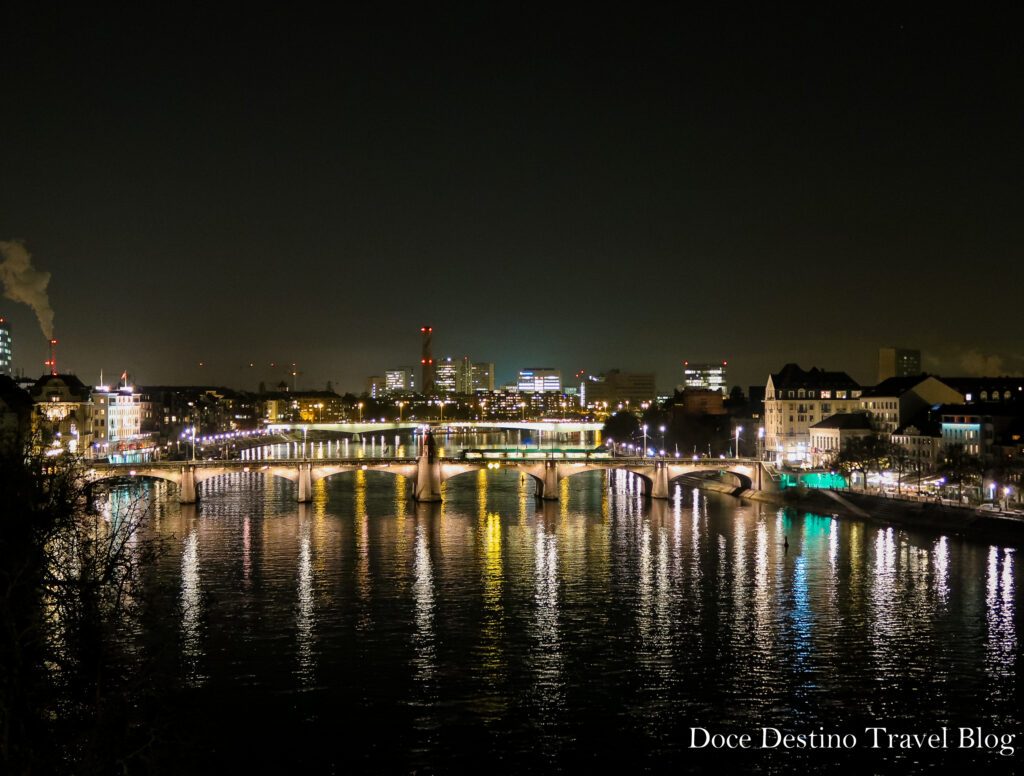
[541,189]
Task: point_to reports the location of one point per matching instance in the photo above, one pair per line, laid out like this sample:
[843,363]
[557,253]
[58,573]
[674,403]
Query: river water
[495,633]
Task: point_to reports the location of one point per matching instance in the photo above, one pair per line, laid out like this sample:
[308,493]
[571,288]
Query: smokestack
[52,363]
[427,360]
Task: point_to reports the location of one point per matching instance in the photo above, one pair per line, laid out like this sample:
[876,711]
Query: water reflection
[304,619]
[522,627]
[941,578]
[1001,648]
[192,647]
[362,528]
[490,657]
[246,549]
[547,657]
[885,615]
[424,641]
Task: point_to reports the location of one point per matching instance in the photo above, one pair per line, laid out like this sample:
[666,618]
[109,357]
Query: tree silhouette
[67,590]
[960,468]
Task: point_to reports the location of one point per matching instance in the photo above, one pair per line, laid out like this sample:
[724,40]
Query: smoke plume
[978,364]
[24,283]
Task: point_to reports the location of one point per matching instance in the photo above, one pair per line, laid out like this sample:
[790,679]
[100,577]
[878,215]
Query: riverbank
[957,520]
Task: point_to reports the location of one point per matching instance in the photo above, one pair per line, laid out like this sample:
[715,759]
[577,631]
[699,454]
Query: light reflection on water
[526,627]
[305,616]
[192,647]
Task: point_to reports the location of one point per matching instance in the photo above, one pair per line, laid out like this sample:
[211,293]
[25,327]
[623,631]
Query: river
[495,633]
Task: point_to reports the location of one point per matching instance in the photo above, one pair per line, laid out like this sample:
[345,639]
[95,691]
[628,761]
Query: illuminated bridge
[553,425]
[427,474]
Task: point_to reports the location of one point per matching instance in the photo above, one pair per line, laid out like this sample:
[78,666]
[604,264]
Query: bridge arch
[206,475]
[740,479]
[535,472]
[565,471]
[329,472]
[166,476]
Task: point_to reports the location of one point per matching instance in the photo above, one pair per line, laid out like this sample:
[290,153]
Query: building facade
[62,414]
[795,400]
[376,386]
[708,377]
[828,437]
[400,380]
[6,349]
[538,379]
[122,419]
[616,386]
[482,376]
[898,362]
[446,376]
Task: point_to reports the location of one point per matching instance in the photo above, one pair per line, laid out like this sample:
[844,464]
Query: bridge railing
[510,456]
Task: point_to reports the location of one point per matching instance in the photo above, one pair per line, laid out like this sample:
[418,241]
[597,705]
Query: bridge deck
[509,456]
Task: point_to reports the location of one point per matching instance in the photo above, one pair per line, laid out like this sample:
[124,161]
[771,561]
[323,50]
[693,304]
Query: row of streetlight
[644,450]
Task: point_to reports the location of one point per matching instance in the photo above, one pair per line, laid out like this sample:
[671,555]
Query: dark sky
[544,188]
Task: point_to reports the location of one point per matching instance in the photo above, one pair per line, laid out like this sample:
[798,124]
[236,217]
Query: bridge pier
[550,490]
[659,485]
[428,478]
[305,483]
[187,491]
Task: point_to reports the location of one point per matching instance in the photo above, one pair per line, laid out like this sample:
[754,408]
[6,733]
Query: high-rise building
[376,386]
[446,376]
[540,379]
[709,377]
[482,376]
[400,380]
[898,362]
[615,386]
[464,377]
[453,376]
[6,348]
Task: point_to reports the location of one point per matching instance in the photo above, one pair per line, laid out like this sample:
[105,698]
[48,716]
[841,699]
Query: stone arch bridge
[426,474]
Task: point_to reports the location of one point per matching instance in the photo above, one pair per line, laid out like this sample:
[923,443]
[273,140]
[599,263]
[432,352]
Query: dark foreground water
[495,634]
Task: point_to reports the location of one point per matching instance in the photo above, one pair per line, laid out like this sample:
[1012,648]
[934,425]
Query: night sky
[544,188]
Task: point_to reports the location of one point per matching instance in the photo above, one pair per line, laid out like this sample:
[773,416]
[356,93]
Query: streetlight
[737,450]
[360,405]
[193,430]
[401,405]
[645,441]
[663,441]
[522,408]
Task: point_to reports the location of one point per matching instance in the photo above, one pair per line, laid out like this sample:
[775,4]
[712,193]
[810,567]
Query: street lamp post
[644,453]
[736,451]
[663,440]
[360,405]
